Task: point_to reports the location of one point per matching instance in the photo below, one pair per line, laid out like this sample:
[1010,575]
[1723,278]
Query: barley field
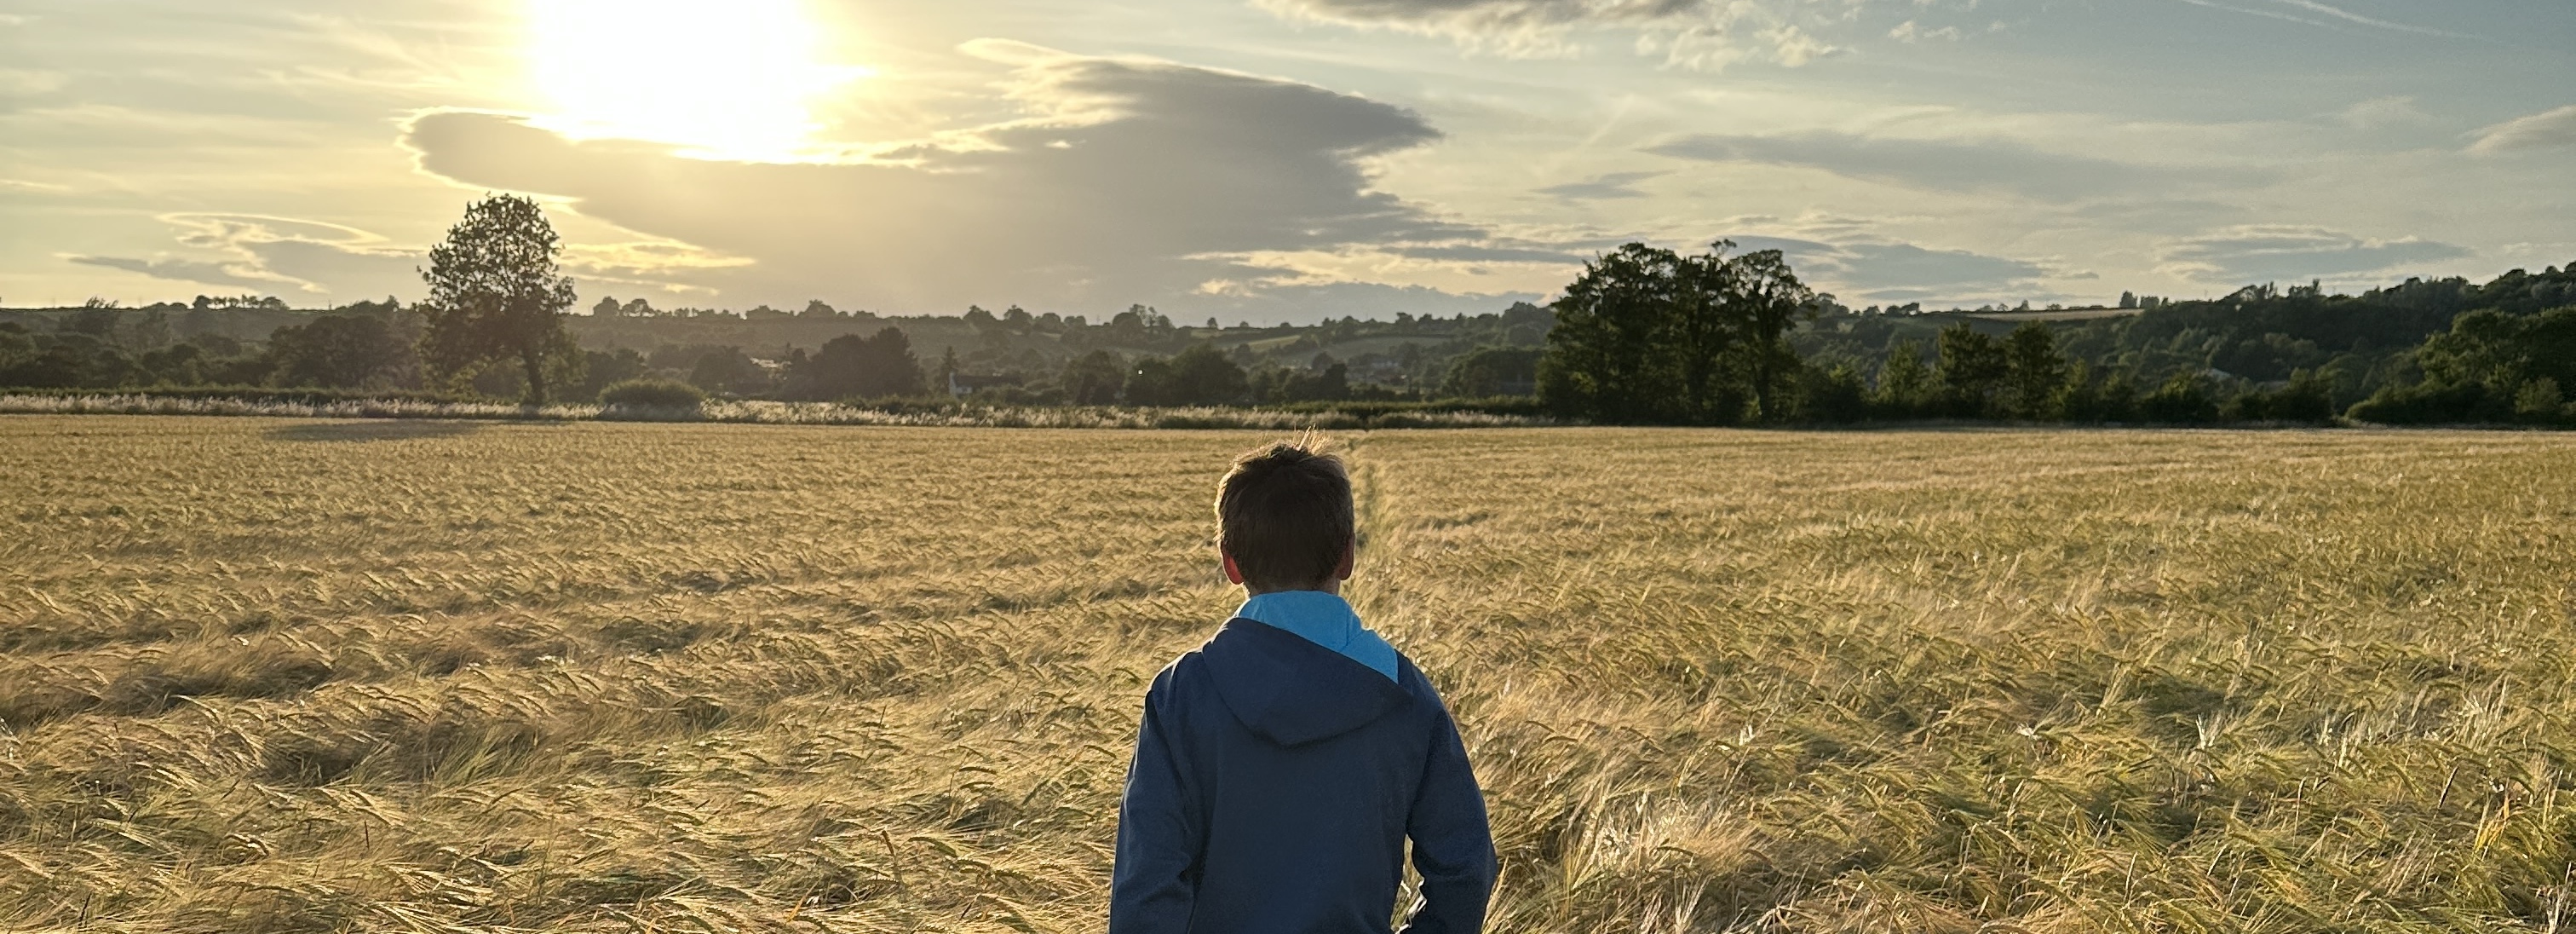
[302,675]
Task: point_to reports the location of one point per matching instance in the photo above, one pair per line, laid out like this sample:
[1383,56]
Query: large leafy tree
[1646,334]
[496,295]
[1610,356]
[1761,301]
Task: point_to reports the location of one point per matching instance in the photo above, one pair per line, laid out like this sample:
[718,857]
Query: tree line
[1643,335]
[1651,336]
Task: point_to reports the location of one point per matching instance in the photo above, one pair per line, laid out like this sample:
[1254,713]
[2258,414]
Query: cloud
[2339,13]
[2275,252]
[1127,181]
[2381,112]
[2554,129]
[271,254]
[1909,32]
[2334,17]
[277,253]
[1889,270]
[22,82]
[339,263]
[1481,253]
[1601,187]
[1982,166]
[1699,34]
[228,275]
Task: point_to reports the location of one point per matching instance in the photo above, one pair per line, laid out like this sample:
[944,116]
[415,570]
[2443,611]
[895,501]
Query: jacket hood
[1290,691]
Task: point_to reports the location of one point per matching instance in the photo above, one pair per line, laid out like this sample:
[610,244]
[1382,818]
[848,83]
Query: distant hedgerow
[653,394]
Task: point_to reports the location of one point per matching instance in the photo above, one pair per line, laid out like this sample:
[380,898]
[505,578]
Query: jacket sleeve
[1453,846]
[1155,879]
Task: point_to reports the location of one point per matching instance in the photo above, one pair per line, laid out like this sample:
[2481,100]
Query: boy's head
[1284,518]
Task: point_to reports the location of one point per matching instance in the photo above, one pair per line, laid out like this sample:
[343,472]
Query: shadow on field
[376,430]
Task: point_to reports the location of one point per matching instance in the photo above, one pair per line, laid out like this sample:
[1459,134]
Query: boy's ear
[1233,575]
[1350,559]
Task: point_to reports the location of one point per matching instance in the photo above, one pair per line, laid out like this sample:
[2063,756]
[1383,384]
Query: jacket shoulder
[1415,683]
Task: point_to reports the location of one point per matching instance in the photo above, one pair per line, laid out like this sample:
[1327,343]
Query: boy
[1281,766]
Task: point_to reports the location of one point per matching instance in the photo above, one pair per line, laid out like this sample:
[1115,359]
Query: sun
[723,78]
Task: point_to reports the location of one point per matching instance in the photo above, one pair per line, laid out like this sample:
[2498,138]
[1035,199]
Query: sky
[1282,160]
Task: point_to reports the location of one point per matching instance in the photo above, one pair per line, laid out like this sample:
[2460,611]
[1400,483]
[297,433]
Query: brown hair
[1284,513]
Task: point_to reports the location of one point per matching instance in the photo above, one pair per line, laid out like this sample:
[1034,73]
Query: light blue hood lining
[1323,619]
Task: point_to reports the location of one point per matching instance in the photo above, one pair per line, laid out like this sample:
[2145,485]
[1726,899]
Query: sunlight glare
[725,78]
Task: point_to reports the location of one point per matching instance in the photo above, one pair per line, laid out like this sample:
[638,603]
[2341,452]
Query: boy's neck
[1333,587]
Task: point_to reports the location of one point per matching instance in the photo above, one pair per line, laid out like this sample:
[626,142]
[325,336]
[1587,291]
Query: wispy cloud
[201,272]
[2338,13]
[1995,166]
[2253,11]
[2381,112]
[1910,32]
[2554,129]
[2283,252]
[268,253]
[1883,270]
[1601,187]
[1698,34]
[2331,14]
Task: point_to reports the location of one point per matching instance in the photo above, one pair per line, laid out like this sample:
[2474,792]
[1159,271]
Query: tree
[2504,350]
[496,294]
[1094,378]
[340,352]
[2182,400]
[2034,370]
[2541,401]
[601,369]
[1973,367]
[1611,356]
[1904,383]
[1835,395]
[851,366]
[729,370]
[1149,382]
[2481,370]
[96,319]
[2308,398]
[1763,300]
[1646,334]
[15,345]
[1331,381]
[1492,371]
[1201,375]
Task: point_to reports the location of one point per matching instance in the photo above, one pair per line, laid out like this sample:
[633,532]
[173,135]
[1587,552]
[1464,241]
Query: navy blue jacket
[1274,785]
